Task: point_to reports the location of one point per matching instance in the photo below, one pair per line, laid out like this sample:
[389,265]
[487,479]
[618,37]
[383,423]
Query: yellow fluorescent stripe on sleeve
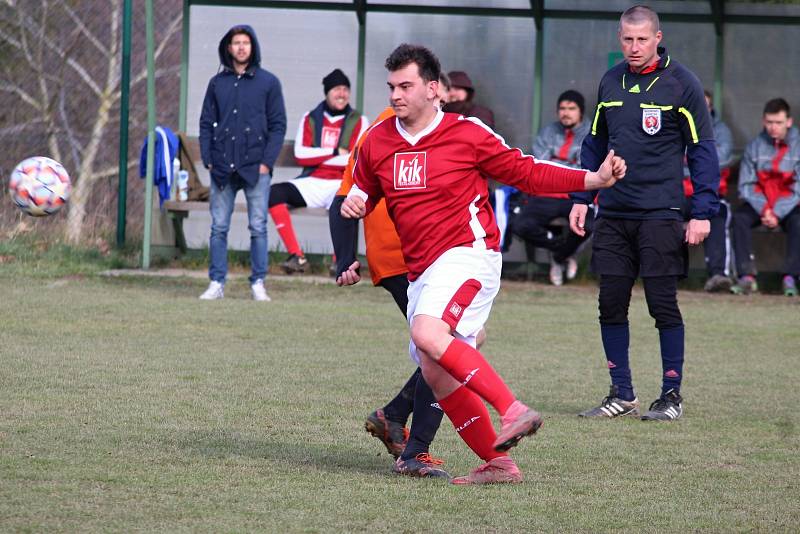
[655,106]
[623,80]
[690,120]
[600,106]
[651,83]
[667,63]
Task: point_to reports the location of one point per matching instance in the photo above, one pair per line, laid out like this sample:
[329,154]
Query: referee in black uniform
[650,109]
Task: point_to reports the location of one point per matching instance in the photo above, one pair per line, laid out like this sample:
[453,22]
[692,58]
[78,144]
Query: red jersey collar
[662,59]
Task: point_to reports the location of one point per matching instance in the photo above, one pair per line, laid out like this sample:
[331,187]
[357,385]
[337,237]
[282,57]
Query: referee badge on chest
[651,120]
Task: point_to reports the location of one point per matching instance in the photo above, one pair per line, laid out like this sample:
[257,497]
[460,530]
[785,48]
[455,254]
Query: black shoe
[719,283]
[393,435]
[612,406]
[295,264]
[422,465]
[665,408]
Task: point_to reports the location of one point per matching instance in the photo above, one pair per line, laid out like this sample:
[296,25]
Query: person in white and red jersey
[325,137]
[431,168]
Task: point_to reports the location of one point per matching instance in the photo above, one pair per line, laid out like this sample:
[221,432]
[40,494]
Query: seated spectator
[769,187]
[324,139]
[559,141]
[717,246]
[460,99]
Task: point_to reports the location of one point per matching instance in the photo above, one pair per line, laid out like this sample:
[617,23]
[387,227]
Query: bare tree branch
[38,31]
[75,147]
[173,28]
[24,96]
[113,171]
[86,31]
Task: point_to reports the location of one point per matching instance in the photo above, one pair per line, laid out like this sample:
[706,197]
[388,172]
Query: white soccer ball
[39,186]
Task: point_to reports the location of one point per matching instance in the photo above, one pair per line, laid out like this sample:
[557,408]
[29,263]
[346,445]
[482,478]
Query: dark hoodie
[243,121]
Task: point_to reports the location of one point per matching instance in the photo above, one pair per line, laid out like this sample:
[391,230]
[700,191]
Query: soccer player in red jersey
[431,167]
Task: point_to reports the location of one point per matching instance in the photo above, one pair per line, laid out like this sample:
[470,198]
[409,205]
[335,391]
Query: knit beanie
[336,77]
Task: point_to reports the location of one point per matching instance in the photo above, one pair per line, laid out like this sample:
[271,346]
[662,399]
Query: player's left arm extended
[510,166]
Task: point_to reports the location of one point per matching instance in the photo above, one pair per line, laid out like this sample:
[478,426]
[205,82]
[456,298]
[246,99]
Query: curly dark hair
[405,54]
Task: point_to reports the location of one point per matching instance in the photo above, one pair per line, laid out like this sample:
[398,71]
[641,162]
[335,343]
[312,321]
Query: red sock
[283,223]
[472,422]
[469,367]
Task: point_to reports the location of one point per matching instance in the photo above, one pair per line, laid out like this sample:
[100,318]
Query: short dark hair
[638,14]
[426,61]
[571,95]
[239,30]
[776,105]
[444,79]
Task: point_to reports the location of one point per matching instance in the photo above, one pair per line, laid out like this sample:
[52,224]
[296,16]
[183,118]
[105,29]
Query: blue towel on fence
[165,152]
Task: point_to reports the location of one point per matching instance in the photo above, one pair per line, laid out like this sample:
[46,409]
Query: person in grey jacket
[242,127]
[769,185]
[717,246]
[559,141]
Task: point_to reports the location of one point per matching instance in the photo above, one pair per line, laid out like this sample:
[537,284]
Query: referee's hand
[696,231]
[577,218]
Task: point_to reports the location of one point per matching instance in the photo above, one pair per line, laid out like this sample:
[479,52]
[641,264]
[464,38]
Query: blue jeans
[221,206]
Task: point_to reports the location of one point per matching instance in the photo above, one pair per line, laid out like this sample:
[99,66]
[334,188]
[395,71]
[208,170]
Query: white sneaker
[556,273]
[259,293]
[572,268]
[215,291]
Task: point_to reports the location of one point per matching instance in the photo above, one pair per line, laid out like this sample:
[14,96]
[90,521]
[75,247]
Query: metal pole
[151,133]
[124,107]
[538,69]
[719,63]
[362,38]
[184,67]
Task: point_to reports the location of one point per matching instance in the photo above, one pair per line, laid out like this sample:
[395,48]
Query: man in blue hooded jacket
[242,127]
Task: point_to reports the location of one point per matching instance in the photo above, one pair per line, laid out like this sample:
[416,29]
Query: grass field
[127,404]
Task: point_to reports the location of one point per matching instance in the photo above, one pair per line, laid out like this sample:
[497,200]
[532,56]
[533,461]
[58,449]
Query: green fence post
[124,107]
[151,133]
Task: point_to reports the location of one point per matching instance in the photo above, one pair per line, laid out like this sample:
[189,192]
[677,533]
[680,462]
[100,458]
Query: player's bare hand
[350,276]
[353,207]
[263,169]
[697,230]
[577,219]
[612,169]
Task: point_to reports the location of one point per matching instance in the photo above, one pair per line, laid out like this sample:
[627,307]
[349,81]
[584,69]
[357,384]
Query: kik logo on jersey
[409,170]
[330,137]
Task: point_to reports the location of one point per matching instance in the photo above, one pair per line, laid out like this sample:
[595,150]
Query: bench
[180,215]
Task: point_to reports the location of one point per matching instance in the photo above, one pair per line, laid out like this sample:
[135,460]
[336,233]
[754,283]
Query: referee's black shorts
[634,248]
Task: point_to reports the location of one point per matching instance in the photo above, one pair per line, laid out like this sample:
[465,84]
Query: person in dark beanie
[559,141]
[324,139]
[242,126]
[461,94]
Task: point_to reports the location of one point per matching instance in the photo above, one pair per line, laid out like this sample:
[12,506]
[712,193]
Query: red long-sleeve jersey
[436,187]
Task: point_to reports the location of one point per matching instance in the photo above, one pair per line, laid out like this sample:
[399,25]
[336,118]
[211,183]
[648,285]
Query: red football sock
[472,422]
[469,367]
[283,223]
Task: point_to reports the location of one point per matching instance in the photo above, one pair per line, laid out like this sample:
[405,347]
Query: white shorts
[459,288]
[317,192]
